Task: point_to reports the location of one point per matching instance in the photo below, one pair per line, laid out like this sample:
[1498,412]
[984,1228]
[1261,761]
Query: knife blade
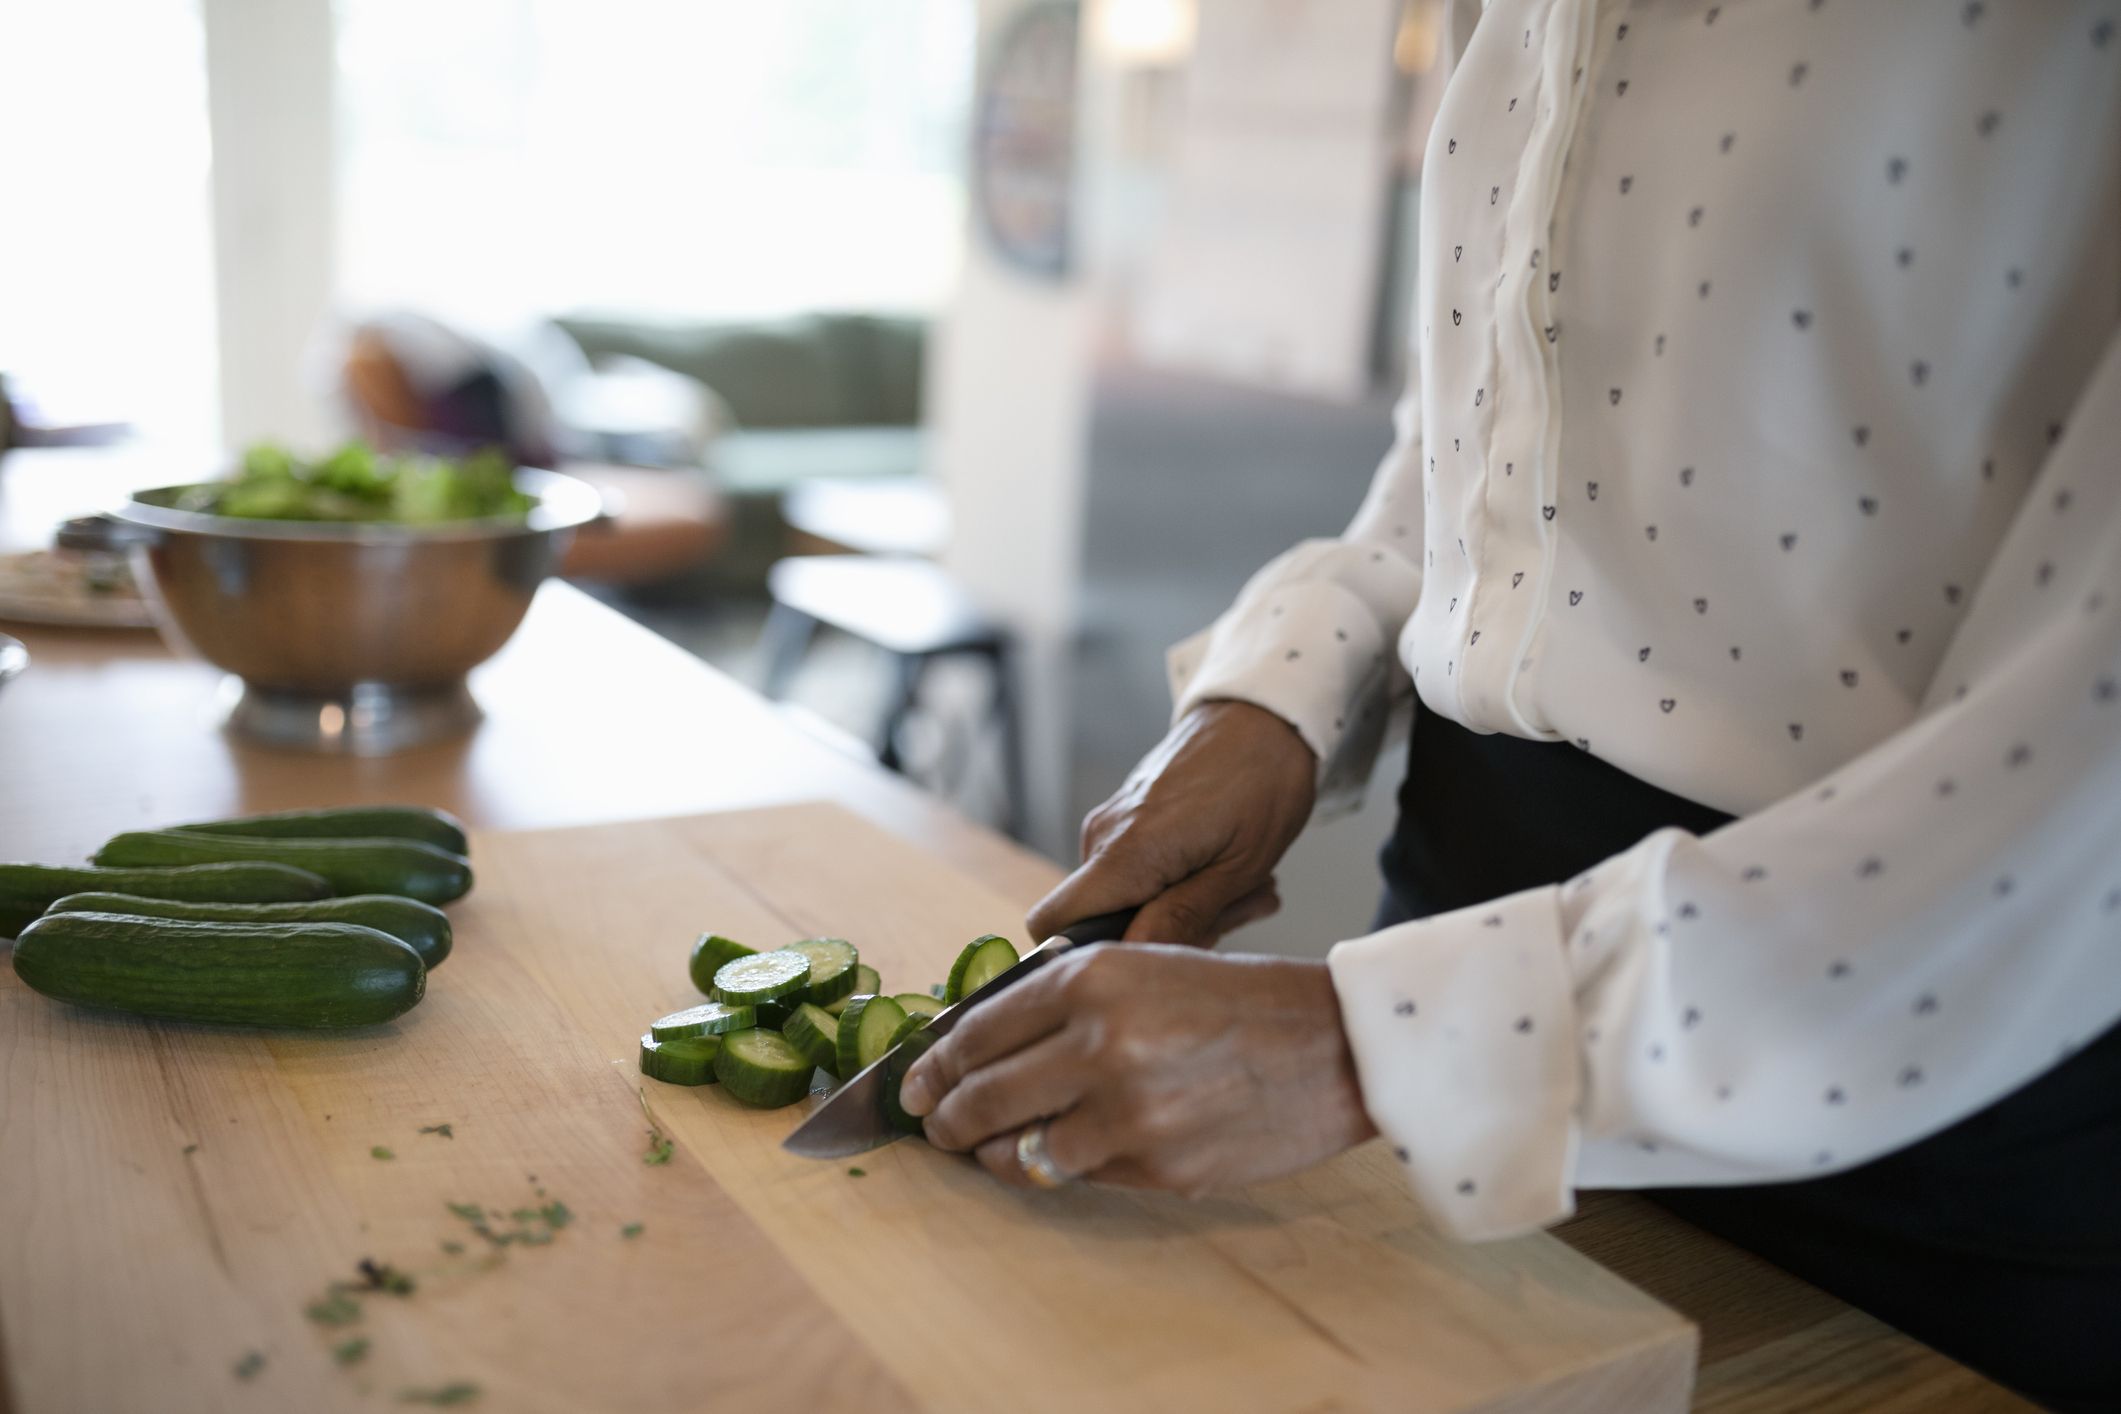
[852,1120]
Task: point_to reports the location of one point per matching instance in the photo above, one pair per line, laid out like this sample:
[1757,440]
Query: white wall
[269,98]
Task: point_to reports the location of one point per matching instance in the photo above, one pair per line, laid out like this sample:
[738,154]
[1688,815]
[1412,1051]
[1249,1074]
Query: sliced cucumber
[912,1046]
[762,977]
[708,955]
[816,1033]
[983,960]
[919,1004]
[684,1060]
[865,1032]
[762,1069]
[706,1019]
[833,965]
[866,984]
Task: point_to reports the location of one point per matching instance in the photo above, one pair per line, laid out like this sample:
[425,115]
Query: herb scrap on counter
[381,1276]
[659,1146]
[379,1152]
[461,1392]
[534,1227]
[351,1352]
[443,1129]
[191,1148]
[857,1173]
[631,1230]
[248,1367]
[336,1309]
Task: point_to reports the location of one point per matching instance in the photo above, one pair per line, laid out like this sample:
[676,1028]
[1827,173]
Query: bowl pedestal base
[370,719]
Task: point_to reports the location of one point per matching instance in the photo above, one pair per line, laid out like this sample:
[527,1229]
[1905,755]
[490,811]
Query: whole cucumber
[26,890]
[404,867]
[249,974]
[352,822]
[422,925]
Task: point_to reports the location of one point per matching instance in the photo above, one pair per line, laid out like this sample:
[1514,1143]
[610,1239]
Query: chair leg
[909,668]
[1014,807]
[782,643]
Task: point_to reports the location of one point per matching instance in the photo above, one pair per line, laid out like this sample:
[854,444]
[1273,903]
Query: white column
[1009,404]
[269,98]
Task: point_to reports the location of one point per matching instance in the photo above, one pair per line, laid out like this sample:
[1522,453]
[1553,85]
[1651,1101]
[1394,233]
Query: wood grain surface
[172,1198]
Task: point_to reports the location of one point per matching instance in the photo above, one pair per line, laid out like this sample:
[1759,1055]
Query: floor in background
[843,689]
[1192,487]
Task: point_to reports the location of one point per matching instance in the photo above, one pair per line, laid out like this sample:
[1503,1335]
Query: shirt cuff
[1463,1030]
[1306,652]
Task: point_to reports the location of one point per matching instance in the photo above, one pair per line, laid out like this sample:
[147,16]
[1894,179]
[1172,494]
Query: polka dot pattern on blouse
[1761,445]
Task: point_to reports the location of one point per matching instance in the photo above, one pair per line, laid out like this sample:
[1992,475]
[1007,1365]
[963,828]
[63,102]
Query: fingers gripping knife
[854,1120]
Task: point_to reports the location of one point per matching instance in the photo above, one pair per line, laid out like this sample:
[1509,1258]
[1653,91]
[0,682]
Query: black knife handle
[1104,928]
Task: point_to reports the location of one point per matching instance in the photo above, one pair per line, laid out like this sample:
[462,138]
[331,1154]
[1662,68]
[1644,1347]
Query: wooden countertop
[593,719]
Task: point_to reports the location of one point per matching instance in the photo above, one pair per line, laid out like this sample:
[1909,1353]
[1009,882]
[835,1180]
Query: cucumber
[353,822]
[682,1060]
[816,1033]
[252,974]
[983,960]
[833,964]
[423,926]
[709,953]
[26,890]
[774,1015]
[762,977]
[911,1047]
[865,1032]
[919,1004]
[352,866]
[762,1069]
[706,1019]
[866,984]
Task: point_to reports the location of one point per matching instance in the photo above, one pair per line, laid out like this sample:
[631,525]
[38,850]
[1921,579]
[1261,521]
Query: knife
[852,1119]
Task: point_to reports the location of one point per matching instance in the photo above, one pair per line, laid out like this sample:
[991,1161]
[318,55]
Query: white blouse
[1766,444]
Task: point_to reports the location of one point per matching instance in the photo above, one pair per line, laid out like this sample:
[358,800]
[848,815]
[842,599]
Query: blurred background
[944,360]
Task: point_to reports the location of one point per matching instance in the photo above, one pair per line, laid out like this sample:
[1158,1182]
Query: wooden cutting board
[173,1197]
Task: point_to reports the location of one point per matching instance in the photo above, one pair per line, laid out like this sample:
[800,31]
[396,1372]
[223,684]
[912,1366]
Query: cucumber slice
[762,1069]
[983,960]
[816,1033]
[684,1060]
[866,984]
[708,955]
[865,1032]
[912,1046]
[706,1019]
[762,977]
[919,1004]
[833,965]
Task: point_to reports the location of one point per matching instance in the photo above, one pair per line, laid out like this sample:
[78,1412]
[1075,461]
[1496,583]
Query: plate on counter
[71,589]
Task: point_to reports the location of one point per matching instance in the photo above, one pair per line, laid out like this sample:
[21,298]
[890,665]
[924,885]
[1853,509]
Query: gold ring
[1037,1164]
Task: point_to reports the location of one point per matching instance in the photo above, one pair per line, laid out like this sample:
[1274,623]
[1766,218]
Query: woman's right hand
[1193,836]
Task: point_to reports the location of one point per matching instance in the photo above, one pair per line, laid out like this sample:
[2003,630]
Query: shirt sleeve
[1816,984]
[1313,636]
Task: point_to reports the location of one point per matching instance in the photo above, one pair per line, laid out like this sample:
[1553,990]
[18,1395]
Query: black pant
[1998,1240]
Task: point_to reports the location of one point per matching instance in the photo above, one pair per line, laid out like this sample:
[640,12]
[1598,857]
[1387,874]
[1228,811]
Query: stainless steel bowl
[344,638]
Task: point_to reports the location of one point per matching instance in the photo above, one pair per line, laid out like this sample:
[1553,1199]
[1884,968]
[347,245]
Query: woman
[1751,551]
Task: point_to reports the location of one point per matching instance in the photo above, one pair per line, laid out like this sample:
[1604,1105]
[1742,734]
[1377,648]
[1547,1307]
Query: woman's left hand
[1158,1067]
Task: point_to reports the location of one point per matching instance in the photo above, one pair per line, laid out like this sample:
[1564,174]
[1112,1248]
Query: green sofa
[818,395]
